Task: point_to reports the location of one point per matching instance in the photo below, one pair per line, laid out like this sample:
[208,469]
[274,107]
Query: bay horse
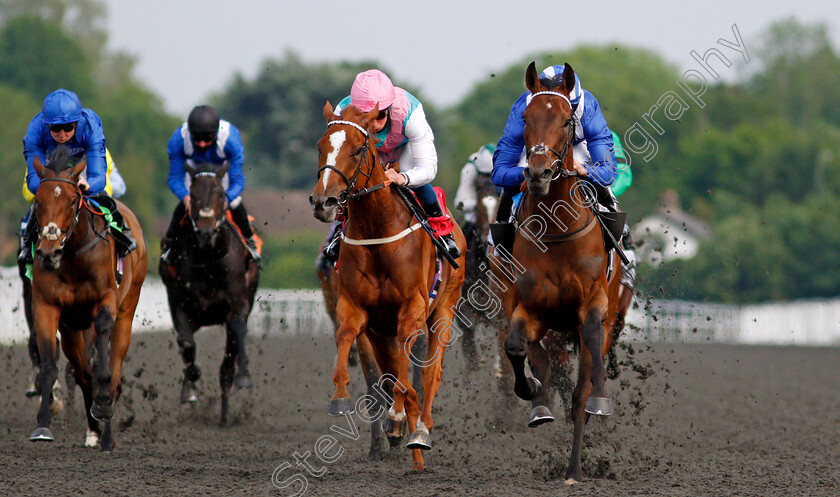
[212,281]
[386,272]
[75,291]
[556,277]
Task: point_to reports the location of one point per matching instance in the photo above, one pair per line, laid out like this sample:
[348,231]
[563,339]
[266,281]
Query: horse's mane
[206,167]
[353,113]
[59,159]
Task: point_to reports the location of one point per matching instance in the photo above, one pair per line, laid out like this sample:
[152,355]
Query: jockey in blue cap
[593,145]
[205,138]
[62,120]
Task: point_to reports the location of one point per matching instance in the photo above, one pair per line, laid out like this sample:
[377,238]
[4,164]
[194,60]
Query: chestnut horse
[557,276]
[386,271]
[75,291]
[213,280]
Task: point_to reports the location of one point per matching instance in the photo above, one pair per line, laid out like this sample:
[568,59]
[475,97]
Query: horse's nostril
[331,201]
[311,202]
[527,173]
[57,253]
[546,174]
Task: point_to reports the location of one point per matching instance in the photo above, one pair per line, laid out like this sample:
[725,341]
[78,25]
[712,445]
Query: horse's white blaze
[490,204]
[206,213]
[548,105]
[336,141]
[50,231]
[91,438]
[57,191]
[393,414]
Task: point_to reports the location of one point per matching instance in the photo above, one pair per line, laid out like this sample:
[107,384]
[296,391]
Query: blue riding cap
[61,106]
[552,76]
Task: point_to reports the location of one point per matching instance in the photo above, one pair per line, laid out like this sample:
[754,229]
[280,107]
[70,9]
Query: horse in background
[212,281]
[75,291]
[386,274]
[556,277]
[477,268]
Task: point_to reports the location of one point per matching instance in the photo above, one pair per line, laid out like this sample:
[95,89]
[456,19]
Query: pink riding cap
[370,88]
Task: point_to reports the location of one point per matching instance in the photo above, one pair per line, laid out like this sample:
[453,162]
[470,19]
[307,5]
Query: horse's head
[549,130]
[207,200]
[57,204]
[344,152]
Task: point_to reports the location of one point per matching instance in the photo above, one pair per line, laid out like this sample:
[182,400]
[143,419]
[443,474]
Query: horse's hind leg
[238,326]
[376,405]
[186,344]
[226,372]
[77,354]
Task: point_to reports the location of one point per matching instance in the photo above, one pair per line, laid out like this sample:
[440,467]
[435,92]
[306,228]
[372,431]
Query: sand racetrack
[691,420]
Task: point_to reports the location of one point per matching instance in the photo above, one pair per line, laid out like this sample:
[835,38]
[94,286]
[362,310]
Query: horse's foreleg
[45,329]
[583,389]
[352,320]
[516,343]
[226,370]
[592,337]
[409,329]
[541,367]
[186,345]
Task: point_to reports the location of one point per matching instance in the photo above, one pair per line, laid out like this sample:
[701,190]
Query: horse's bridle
[345,195]
[557,172]
[53,232]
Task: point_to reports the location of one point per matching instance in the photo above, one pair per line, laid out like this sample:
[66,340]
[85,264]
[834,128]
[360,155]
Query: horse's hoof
[42,434]
[102,413]
[600,406]
[375,454]
[393,428]
[340,407]
[91,438]
[33,391]
[571,481]
[540,415]
[188,395]
[420,439]
[532,389]
[243,381]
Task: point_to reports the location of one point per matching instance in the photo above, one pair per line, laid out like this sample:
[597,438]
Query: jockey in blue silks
[62,120]
[205,138]
[593,144]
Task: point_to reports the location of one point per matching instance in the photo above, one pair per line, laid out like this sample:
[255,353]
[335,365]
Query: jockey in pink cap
[403,135]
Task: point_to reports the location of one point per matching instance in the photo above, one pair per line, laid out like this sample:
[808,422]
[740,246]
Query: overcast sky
[187,49]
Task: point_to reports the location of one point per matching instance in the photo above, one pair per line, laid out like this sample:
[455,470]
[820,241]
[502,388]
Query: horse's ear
[531,77]
[42,171]
[568,78]
[190,169]
[370,116]
[220,173]
[329,113]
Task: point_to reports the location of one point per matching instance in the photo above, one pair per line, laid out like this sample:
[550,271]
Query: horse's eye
[358,151]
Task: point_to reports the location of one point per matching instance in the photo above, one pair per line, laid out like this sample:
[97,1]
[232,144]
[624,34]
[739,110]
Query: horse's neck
[376,215]
[83,231]
[564,206]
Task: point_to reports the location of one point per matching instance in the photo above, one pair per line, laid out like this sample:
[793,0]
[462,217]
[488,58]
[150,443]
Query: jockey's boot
[170,239]
[442,223]
[606,197]
[27,236]
[502,232]
[240,217]
[332,243]
[122,234]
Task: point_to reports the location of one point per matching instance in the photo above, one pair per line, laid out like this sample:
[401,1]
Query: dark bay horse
[386,271]
[477,268]
[75,291]
[212,281]
[557,276]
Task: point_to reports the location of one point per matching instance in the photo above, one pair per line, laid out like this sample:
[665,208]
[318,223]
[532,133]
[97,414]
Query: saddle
[433,227]
[116,222]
